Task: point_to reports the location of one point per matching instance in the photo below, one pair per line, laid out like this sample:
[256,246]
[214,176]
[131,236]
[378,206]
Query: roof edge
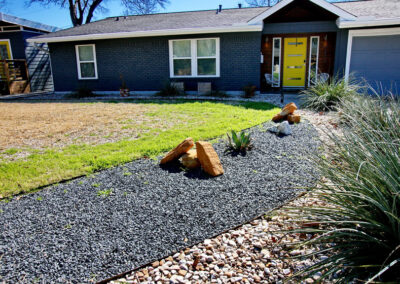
[27,23]
[245,28]
[368,23]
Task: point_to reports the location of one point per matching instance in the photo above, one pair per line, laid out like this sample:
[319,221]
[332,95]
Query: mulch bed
[95,227]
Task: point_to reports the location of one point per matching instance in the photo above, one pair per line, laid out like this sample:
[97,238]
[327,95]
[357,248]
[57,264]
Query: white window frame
[9,45]
[78,62]
[194,58]
[309,60]
[280,61]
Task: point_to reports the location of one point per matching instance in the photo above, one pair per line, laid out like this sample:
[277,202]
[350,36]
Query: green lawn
[199,120]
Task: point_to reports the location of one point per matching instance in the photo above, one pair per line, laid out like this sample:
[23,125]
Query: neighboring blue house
[20,54]
[284,46]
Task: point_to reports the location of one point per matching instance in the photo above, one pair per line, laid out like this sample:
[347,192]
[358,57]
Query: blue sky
[55,16]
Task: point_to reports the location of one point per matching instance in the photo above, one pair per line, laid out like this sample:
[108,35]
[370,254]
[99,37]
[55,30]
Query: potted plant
[123,90]
[249,91]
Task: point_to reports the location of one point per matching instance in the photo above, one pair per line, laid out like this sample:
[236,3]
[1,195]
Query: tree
[82,11]
[257,3]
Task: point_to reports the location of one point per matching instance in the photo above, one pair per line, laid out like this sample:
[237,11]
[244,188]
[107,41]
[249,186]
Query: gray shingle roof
[164,21]
[371,9]
[374,9]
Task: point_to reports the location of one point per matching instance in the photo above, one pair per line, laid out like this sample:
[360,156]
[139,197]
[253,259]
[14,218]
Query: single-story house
[287,45]
[31,62]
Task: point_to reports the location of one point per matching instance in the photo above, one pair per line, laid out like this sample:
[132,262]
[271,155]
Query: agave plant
[238,142]
[359,228]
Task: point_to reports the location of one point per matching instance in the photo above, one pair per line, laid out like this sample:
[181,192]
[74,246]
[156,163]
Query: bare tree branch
[144,6]
[82,11]
[258,3]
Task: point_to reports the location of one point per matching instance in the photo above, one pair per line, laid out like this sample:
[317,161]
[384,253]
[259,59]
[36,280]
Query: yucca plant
[238,142]
[359,228]
[325,96]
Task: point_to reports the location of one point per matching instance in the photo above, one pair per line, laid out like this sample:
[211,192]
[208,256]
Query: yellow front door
[5,50]
[294,62]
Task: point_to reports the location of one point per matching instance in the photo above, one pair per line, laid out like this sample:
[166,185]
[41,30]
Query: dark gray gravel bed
[77,232]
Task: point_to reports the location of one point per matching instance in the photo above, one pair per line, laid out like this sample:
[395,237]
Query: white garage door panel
[377,59]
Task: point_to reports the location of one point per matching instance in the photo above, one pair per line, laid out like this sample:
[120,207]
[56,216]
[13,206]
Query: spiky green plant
[170,90]
[359,228]
[324,96]
[239,142]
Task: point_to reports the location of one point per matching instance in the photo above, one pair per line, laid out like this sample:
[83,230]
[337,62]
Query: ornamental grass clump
[325,96]
[359,228]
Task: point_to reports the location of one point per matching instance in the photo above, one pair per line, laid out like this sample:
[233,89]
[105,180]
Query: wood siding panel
[38,61]
[326,59]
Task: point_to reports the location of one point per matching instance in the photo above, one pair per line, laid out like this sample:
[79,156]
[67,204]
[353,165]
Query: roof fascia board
[247,28]
[26,23]
[322,3]
[368,23]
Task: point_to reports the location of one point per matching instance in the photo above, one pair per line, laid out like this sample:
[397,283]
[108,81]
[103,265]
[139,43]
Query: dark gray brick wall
[144,63]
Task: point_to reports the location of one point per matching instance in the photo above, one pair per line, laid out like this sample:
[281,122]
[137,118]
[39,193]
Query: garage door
[377,59]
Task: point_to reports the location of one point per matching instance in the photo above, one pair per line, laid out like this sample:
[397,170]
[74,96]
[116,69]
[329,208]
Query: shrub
[249,91]
[324,96]
[170,90]
[238,142]
[359,228]
[82,92]
[217,94]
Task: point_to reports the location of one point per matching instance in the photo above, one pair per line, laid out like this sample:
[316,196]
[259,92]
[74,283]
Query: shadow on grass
[159,101]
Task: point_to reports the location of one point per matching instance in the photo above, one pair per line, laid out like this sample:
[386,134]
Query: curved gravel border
[95,227]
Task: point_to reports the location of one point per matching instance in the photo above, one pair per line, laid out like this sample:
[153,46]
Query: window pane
[313,60]
[86,53]
[182,67]
[207,67]
[4,52]
[276,67]
[87,70]
[206,47]
[181,48]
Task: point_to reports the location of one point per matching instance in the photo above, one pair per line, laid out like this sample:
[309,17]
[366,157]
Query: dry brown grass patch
[56,125]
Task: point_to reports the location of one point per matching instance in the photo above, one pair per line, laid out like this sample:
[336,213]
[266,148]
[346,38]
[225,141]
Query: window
[313,64]
[5,49]
[86,61]
[276,62]
[194,57]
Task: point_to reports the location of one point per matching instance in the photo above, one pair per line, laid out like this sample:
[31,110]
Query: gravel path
[96,227]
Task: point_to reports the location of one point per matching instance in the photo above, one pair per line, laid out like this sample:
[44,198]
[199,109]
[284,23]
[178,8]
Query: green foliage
[11,151]
[238,142]
[170,90]
[249,91]
[359,228]
[199,120]
[104,193]
[324,96]
[217,94]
